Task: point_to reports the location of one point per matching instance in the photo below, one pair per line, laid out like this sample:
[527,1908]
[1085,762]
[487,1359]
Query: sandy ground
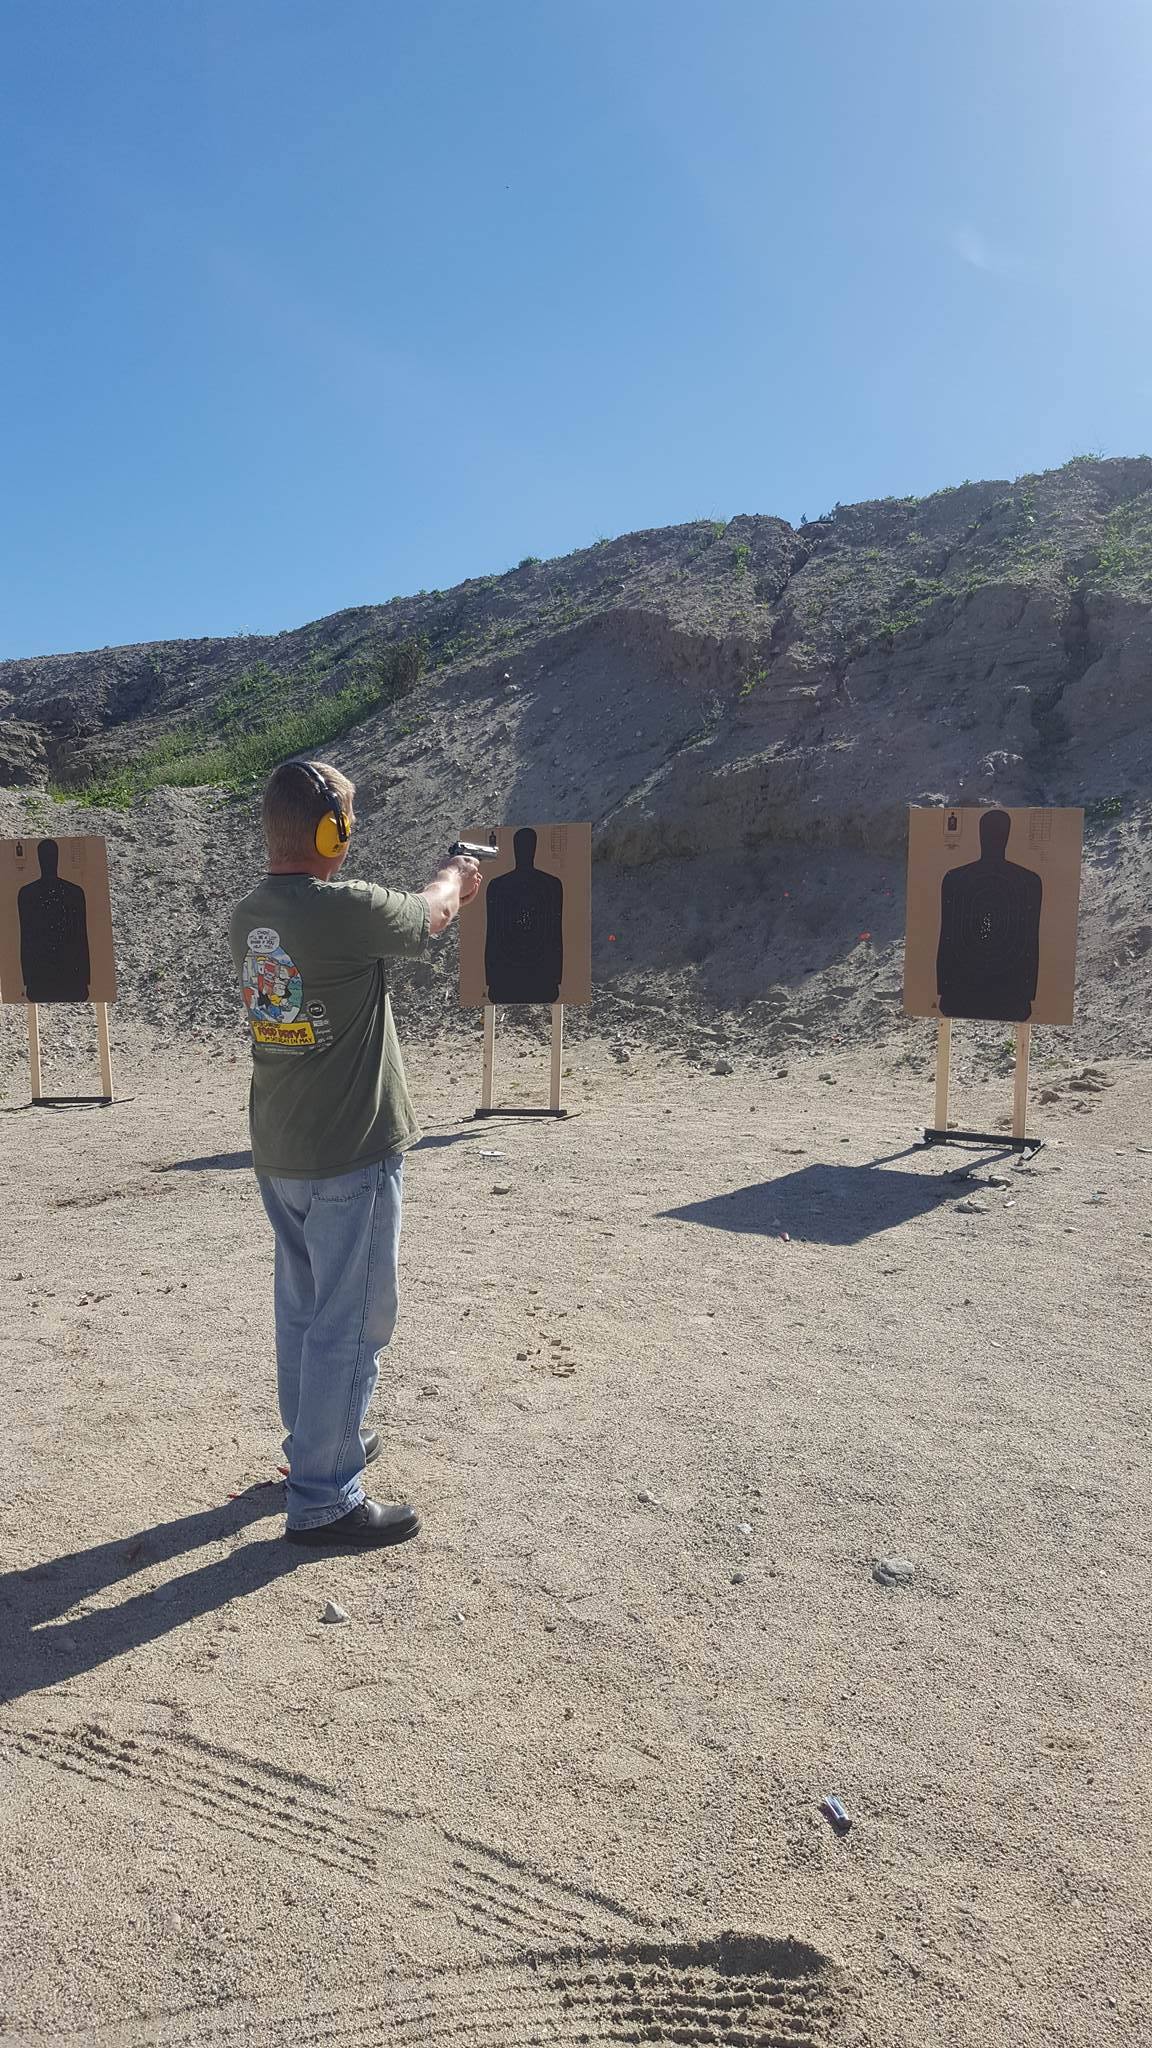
[583,1727]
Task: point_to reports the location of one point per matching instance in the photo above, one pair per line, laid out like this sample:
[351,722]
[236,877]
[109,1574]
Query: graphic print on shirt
[274,993]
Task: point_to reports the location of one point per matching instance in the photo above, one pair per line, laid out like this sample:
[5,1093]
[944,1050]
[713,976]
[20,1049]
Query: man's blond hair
[293,807]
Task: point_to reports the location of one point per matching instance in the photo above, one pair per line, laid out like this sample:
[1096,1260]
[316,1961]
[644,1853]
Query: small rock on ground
[892,1571]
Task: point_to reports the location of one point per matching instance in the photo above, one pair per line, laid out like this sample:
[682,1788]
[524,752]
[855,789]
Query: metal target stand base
[984,1138]
[73,1101]
[562,1114]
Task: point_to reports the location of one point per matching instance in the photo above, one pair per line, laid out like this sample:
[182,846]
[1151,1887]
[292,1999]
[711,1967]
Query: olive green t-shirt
[328,1087]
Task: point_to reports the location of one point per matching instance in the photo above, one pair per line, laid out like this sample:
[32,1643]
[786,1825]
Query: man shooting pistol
[331,1120]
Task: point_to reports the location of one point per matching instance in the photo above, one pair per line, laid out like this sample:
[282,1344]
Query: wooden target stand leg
[34,1050]
[1020,1084]
[489,1059]
[487,1078]
[35,1069]
[939,1133]
[943,1064]
[557,1058]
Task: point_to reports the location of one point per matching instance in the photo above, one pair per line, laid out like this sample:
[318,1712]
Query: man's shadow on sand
[38,1654]
[215,1162]
[828,1204]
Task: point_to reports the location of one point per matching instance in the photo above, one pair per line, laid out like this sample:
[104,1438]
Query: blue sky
[308,304]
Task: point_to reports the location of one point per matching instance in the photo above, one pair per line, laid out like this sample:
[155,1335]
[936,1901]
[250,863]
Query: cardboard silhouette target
[524,929]
[56,940]
[993,906]
[527,936]
[55,922]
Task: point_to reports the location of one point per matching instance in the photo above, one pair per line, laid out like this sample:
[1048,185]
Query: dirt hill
[744,711]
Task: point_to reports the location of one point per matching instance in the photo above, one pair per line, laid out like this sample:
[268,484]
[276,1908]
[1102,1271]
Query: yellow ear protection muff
[335,827]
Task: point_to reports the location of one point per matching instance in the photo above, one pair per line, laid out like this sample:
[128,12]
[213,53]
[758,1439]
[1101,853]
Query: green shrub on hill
[1125,555]
[260,719]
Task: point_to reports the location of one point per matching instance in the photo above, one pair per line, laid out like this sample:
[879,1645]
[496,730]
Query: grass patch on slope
[1125,554]
[260,720]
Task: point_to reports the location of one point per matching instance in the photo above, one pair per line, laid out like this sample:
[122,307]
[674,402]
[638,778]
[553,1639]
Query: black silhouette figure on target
[988,959]
[524,935]
[54,958]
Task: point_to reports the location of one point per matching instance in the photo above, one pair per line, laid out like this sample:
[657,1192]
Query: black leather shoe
[367,1527]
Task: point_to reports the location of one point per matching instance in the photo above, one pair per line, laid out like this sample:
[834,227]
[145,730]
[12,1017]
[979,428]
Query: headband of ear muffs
[335,827]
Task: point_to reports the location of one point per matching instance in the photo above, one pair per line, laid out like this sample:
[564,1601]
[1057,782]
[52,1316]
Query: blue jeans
[336,1299]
